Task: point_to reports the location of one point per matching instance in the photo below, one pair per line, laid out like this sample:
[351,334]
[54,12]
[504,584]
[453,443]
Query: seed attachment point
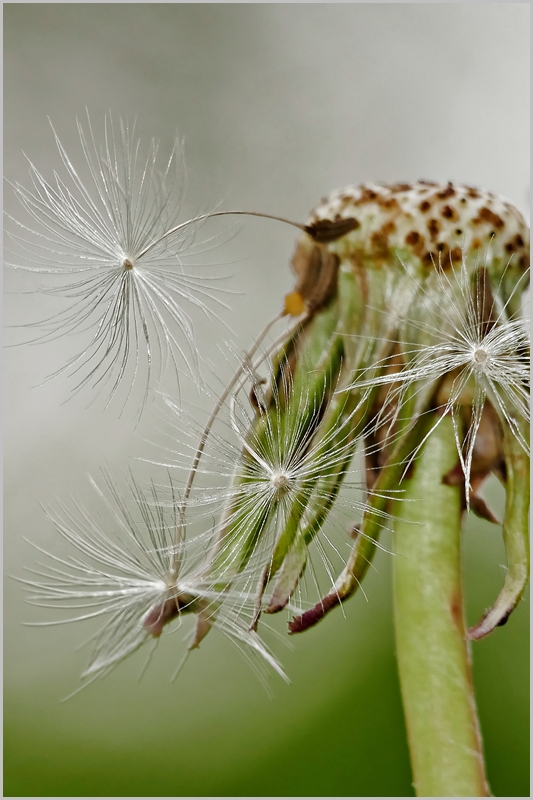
[480,356]
[280,481]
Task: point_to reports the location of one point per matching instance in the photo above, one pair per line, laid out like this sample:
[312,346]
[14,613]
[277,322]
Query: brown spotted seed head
[428,219]
[432,223]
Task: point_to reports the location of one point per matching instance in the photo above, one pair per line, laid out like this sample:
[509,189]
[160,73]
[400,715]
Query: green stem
[431,640]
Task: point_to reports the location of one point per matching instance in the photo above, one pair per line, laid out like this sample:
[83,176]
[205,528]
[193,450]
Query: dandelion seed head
[432,223]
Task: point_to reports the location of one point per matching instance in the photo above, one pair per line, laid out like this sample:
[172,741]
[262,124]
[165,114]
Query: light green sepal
[288,576]
[515,537]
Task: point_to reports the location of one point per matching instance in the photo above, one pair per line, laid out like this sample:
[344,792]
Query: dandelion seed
[132,571]
[105,240]
[115,248]
[470,351]
[292,450]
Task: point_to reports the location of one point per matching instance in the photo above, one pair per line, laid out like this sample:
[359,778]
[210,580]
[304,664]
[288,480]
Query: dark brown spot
[326,230]
[367,196]
[412,238]
[518,240]
[472,193]
[433,228]
[424,206]
[486,215]
[380,239]
[428,183]
[462,200]
[456,254]
[440,247]
[458,231]
[449,213]
[387,202]
[449,191]
[510,247]
[417,242]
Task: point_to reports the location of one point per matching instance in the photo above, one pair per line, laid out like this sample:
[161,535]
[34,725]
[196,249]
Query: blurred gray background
[278,105]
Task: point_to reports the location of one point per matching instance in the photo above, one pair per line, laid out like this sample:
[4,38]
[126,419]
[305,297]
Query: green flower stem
[431,640]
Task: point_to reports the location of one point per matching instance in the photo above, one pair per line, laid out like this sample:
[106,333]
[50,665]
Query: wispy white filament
[449,332]
[268,466]
[111,245]
[123,566]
